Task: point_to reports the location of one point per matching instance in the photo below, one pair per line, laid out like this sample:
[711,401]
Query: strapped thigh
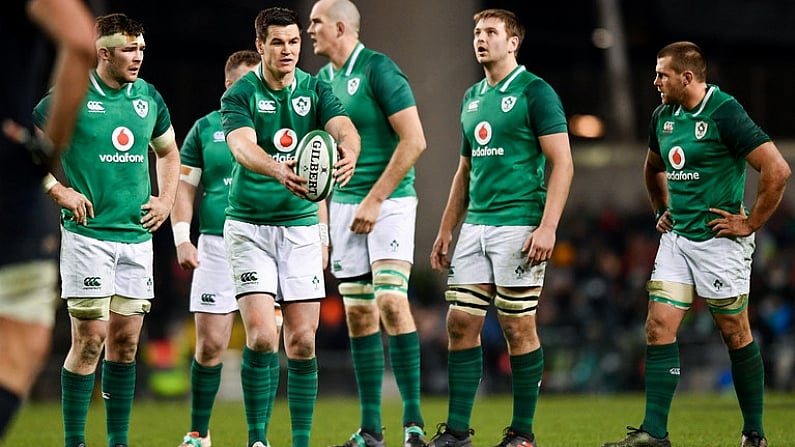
[468,298]
[512,303]
[392,278]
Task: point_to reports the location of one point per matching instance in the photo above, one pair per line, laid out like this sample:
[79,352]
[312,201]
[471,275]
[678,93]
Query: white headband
[120,40]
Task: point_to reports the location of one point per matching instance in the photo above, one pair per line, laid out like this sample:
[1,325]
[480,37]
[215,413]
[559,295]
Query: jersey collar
[710,91]
[99,85]
[349,64]
[505,82]
[261,76]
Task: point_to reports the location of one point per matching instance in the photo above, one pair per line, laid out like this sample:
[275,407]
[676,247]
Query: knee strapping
[676,294]
[469,299]
[729,305]
[129,306]
[391,277]
[517,304]
[357,293]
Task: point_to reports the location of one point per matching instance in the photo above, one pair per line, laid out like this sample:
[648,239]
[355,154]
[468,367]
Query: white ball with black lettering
[315,158]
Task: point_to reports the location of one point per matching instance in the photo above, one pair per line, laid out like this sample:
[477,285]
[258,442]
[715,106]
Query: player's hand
[344,167]
[77,203]
[728,224]
[366,215]
[294,183]
[439,259]
[665,223]
[538,246]
[156,211]
[187,256]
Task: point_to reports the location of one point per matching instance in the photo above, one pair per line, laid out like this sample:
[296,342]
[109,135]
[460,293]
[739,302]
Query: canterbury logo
[208,298]
[92,281]
[248,277]
[674,371]
[95,106]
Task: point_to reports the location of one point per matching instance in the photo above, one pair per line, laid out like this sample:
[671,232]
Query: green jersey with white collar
[500,127]
[372,88]
[108,157]
[704,153]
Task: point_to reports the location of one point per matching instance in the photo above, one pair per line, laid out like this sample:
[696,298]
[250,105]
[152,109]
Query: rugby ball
[315,158]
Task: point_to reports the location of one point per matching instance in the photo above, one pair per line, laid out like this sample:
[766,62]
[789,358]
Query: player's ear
[687,77]
[258,44]
[104,53]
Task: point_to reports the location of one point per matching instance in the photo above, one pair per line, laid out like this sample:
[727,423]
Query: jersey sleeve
[737,130]
[545,109]
[654,143]
[235,112]
[390,85]
[163,122]
[328,105]
[40,111]
[191,152]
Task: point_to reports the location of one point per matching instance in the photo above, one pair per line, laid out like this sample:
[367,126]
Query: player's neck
[695,95]
[343,52]
[278,81]
[497,71]
[108,79]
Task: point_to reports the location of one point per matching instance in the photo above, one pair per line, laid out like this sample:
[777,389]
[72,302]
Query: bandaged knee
[357,293]
[469,299]
[728,306]
[89,308]
[676,294]
[391,278]
[517,304]
[129,306]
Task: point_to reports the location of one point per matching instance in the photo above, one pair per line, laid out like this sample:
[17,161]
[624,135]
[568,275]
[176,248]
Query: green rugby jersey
[704,153]
[372,88]
[205,148]
[280,118]
[500,128]
[108,157]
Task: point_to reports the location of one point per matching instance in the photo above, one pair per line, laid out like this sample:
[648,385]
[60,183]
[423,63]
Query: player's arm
[167,165]
[349,144]
[71,28]
[657,190]
[182,215]
[411,144]
[773,174]
[557,150]
[454,211]
[243,144]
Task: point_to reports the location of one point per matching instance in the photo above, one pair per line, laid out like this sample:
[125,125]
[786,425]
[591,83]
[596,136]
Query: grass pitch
[703,420]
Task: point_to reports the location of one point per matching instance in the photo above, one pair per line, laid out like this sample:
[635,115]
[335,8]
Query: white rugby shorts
[285,262]
[92,268]
[391,238]
[717,268]
[212,290]
[486,254]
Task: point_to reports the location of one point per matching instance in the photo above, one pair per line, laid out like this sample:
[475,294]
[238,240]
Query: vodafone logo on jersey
[483,132]
[123,138]
[285,140]
[676,156]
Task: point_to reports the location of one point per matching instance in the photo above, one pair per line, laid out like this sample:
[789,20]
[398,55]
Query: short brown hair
[686,56]
[111,24]
[513,27]
[242,57]
[275,16]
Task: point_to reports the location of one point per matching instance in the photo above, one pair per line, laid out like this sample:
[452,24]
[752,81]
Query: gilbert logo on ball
[315,159]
